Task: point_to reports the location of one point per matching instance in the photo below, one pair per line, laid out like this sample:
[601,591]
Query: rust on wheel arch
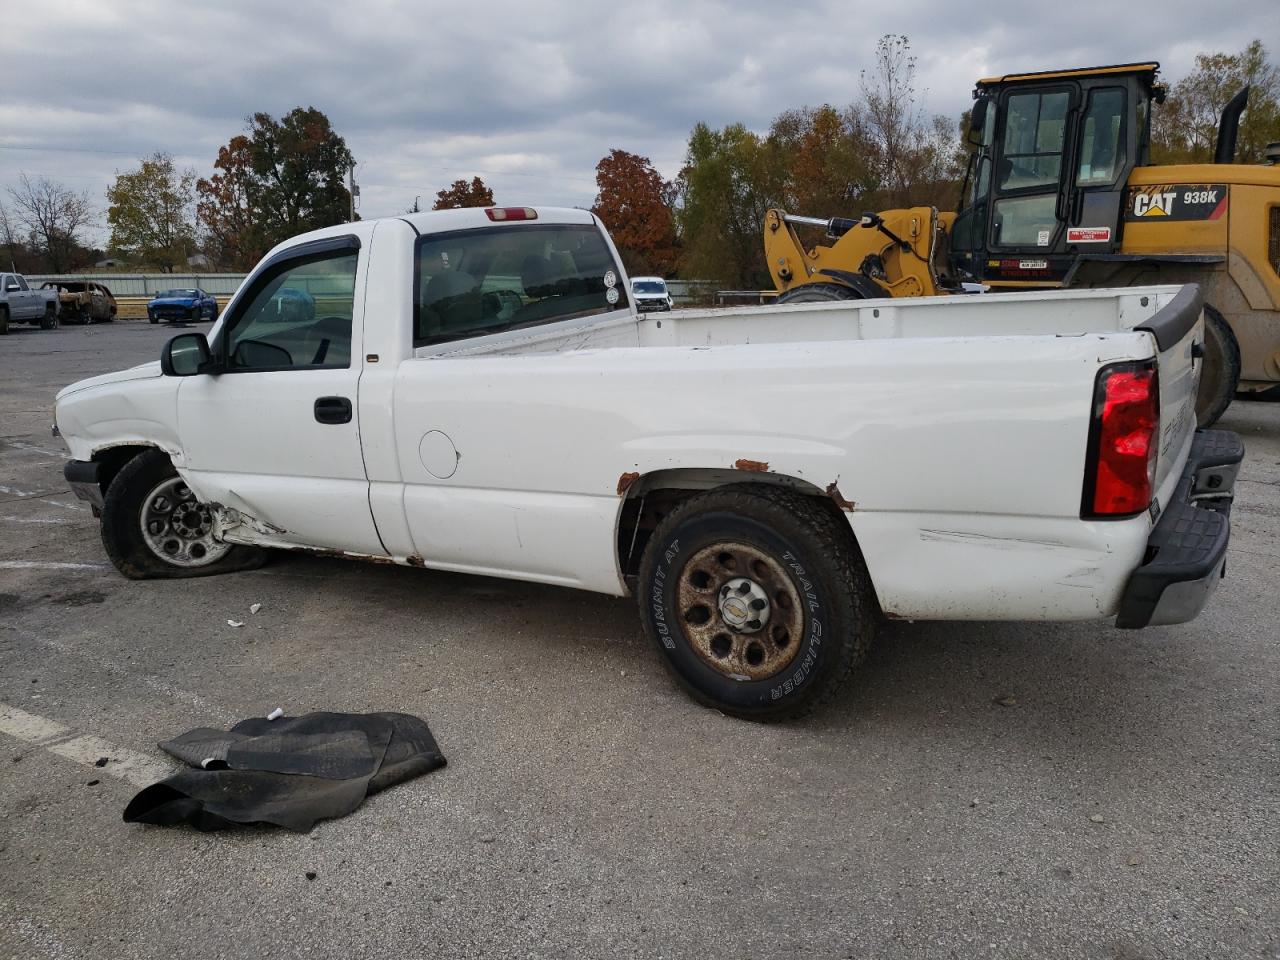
[625,481]
[833,491]
[753,466]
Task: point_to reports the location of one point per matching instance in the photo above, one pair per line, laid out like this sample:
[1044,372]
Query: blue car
[188,303]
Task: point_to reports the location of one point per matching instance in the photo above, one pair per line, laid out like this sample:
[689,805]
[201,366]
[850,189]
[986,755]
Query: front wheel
[757,599]
[1221,371]
[4,321]
[153,527]
[818,293]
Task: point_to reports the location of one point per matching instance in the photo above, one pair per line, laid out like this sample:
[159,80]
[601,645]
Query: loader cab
[1051,155]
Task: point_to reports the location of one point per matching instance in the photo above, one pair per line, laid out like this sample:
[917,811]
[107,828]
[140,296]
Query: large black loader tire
[1221,371]
[818,293]
[153,527]
[757,600]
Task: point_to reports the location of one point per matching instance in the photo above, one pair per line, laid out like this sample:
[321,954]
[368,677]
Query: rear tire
[131,502]
[50,319]
[757,600]
[1220,373]
[818,293]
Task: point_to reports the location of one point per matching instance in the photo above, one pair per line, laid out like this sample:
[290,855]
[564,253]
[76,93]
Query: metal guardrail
[149,284]
[725,298]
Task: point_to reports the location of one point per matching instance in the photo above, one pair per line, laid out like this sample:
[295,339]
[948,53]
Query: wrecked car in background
[476,391]
[83,301]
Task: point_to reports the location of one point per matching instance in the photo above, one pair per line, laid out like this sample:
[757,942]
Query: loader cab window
[1028,171]
[1033,138]
[1102,145]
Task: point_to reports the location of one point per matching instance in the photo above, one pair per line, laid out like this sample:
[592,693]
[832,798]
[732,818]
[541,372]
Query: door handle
[333,410]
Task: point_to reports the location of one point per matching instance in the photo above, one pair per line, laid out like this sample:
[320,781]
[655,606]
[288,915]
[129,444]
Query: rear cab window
[469,283]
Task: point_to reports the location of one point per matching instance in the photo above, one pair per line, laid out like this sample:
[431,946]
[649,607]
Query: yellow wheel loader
[1060,192]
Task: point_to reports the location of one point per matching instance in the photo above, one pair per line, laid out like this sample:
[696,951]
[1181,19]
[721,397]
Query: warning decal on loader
[1177,201]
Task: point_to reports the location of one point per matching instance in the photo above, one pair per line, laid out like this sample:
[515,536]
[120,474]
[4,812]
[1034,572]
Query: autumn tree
[226,210]
[53,216]
[829,160]
[635,204]
[151,212]
[462,194]
[1185,127]
[281,178]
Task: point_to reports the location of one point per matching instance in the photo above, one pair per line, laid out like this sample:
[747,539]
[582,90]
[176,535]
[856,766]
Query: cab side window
[298,318]
[1102,145]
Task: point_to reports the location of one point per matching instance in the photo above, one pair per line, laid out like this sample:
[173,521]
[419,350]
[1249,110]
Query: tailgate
[1178,329]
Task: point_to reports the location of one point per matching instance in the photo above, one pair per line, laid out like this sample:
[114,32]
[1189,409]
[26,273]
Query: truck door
[1102,165]
[275,436]
[24,303]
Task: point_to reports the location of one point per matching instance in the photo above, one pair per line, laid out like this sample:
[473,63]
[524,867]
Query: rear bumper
[1187,550]
[82,477]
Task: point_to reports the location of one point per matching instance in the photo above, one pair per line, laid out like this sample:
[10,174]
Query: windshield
[648,286]
[178,293]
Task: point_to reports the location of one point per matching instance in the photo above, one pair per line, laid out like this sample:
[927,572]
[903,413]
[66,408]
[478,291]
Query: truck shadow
[1035,690]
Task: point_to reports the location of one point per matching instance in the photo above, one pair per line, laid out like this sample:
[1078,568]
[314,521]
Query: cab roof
[1145,71]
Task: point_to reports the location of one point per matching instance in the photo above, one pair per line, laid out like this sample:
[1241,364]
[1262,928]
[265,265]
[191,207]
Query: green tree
[150,211]
[1185,127]
[730,179]
[462,194]
[282,178]
[635,204]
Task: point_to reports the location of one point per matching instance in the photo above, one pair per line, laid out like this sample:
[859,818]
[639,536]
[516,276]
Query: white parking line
[122,763]
[37,520]
[27,726]
[48,565]
[38,497]
[31,447]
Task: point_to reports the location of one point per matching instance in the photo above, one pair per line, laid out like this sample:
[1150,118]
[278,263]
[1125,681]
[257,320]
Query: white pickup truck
[474,390]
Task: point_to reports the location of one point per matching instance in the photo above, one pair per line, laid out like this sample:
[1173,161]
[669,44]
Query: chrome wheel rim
[740,611]
[177,528]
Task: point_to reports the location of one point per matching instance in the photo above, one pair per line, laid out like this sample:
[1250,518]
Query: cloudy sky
[529,95]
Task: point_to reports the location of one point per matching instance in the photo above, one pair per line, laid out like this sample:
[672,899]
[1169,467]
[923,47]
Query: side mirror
[12,288]
[260,355]
[978,121]
[185,355]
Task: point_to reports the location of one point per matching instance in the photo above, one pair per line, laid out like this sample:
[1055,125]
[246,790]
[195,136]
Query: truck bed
[1062,313]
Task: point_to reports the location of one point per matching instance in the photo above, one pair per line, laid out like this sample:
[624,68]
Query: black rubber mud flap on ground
[291,772]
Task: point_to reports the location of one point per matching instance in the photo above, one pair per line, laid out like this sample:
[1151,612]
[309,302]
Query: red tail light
[1120,470]
[511,213]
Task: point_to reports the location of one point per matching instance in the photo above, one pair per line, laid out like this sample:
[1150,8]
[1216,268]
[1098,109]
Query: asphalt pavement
[980,790]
